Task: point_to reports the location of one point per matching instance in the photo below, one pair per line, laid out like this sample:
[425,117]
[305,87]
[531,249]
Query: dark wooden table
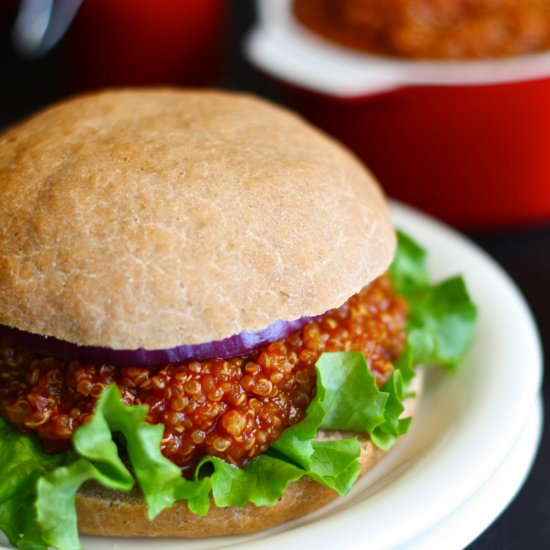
[525,254]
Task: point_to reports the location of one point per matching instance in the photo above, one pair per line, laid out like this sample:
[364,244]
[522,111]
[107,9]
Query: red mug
[145,42]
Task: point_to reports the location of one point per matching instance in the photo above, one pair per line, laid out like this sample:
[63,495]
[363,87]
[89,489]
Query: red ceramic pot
[465,141]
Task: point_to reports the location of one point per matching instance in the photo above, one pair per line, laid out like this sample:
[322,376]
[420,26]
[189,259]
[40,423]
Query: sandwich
[207,323]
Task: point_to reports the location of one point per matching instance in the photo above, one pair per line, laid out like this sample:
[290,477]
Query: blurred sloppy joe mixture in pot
[431,29]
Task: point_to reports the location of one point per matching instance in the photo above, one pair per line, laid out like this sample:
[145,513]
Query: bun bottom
[111,513]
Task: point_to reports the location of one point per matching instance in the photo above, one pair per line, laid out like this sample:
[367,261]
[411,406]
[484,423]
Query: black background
[523,252]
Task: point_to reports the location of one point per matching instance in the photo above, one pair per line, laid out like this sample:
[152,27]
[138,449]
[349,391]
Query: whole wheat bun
[108,513]
[151,219]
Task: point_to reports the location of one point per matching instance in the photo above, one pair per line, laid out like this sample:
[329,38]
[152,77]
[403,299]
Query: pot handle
[263,49]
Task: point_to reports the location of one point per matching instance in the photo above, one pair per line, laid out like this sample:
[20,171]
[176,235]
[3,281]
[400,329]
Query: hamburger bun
[110,513]
[151,219]
[105,512]
[155,218]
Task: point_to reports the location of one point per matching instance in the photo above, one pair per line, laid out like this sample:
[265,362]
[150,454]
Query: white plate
[472,518]
[466,428]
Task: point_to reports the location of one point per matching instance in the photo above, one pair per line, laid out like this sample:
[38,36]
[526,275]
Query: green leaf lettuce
[37,490]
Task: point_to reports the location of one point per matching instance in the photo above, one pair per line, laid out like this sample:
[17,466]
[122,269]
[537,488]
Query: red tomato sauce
[229,408]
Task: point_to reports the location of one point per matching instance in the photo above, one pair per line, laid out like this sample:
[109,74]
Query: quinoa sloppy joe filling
[233,408]
[431,29]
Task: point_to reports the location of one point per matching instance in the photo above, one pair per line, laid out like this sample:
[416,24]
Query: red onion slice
[239,344]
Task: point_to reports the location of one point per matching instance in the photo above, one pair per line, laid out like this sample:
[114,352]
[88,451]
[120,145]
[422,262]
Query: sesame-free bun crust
[109,513]
[150,219]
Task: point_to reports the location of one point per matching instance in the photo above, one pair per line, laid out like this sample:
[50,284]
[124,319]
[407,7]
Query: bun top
[155,218]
